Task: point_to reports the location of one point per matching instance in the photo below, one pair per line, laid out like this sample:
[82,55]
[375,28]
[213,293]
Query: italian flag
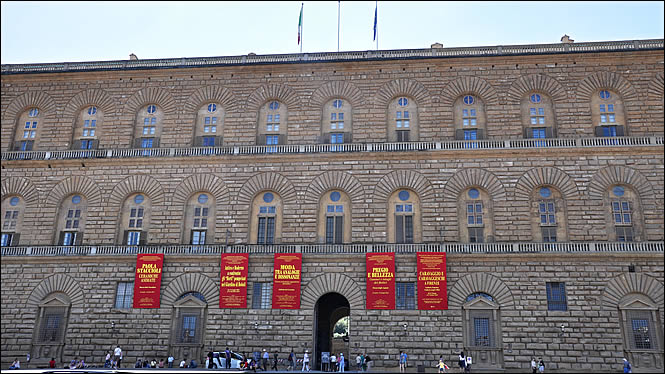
[300,23]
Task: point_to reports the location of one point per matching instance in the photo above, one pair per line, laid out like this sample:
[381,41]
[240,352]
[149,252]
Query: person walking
[461,362]
[341,362]
[305,361]
[402,361]
[626,366]
[117,353]
[442,365]
[274,362]
[265,359]
[292,361]
[227,356]
[359,361]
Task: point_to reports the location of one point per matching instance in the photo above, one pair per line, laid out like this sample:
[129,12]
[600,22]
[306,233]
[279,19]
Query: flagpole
[377,25]
[338,6]
[302,8]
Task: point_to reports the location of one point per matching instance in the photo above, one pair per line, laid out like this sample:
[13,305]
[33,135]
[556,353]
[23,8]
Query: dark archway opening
[329,309]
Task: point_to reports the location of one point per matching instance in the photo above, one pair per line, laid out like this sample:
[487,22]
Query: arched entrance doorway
[328,311]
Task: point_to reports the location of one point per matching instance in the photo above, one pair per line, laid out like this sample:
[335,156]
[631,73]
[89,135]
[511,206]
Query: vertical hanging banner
[233,280]
[148,280]
[432,281]
[286,281]
[380,280]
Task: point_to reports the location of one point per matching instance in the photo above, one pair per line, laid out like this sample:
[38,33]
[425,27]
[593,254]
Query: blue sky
[34,32]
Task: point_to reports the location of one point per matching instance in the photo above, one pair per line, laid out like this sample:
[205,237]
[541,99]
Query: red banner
[286,281]
[233,280]
[380,280]
[432,281]
[148,280]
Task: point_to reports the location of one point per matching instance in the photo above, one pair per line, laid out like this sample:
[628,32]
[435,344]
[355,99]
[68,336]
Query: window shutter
[326,138]
[459,134]
[125,236]
[79,238]
[598,130]
[620,131]
[219,140]
[143,237]
[399,229]
[339,229]
[137,142]
[281,139]
[408,229]
[17,146]
[527,133]
[348,137]
[548,132]
[405,136]
[95,144]
[61,240]
[198,141]
[480,133]
[155,142]
[191,237]
[15,239]
[76,144]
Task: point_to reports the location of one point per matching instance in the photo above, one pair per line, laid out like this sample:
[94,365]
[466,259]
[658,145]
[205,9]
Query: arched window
[538,116]
[482,330]
[266,218]
[403,120]
[209,125]
[149,121]
[13,208]
[272,124]
[337,122]
[548,215]
[469,116]
[624,215]
[86,133]
[607,113]
[475,212]
[642,330]
[404,217]
[71,220]
[200,219]
[28,130]
[334,218]
[49,336]
[135,220]
[188,325]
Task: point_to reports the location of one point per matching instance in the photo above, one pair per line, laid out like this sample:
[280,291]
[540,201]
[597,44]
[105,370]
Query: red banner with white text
[432,281]
[233,280]
[380,269]
[148,280]
[286,281]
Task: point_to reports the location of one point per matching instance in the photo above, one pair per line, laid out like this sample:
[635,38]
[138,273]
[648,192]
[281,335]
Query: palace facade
[536,169]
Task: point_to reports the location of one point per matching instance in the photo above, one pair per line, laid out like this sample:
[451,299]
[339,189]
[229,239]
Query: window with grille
[481,326]
[405,295]
[124,295]
[556,296]
[334,224]
[639,328]
[262,297]
[51,328]
[188,329]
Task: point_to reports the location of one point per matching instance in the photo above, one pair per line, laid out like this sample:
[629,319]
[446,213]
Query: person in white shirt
[117,353]
[333,362]
[305,361]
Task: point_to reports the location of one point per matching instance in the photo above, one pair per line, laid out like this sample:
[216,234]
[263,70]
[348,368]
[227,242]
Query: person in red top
[51,364]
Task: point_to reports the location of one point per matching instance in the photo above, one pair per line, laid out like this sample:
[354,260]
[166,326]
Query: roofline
[328,57]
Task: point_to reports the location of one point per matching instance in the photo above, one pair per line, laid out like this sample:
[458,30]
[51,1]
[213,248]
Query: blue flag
[375,12]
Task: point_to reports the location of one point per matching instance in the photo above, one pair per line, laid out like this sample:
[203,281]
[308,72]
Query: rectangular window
[638,325]
[334,225]
[470,134]
[133,237]
[262,297]
[481,328]
[11,217]
[469,117]
[336,138]
[51,325]
[476,235]
[266,230]
[27,145]
[403,224]
[549,234]
[556,296]
[474,213]
[624,233]
[124,295]
[609,131]
[622,212]
[198,237]
[405,294]
[147,142]
[87,143]
[547,212]
[7,239]
[208,141]
[69,238]
[272,139]
[538,133]
[403,136]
